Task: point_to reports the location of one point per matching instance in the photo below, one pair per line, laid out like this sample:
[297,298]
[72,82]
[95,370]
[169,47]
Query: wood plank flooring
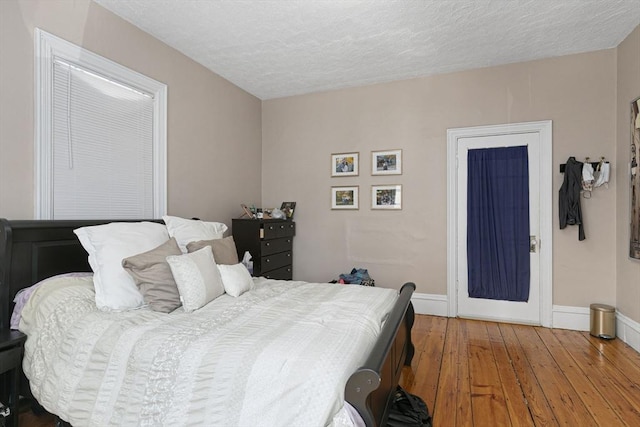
[473,373]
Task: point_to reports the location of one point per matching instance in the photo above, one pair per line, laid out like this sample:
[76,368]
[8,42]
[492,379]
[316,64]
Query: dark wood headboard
[32,250]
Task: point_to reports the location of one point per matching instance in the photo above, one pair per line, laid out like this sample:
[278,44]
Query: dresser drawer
[273,230]
[271,262]
[274,246]
[282,273]
[270,243]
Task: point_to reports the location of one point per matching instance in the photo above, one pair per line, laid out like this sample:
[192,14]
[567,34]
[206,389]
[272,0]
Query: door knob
[533,244]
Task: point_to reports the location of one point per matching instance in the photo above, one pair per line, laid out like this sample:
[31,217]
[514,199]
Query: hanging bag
[408,410]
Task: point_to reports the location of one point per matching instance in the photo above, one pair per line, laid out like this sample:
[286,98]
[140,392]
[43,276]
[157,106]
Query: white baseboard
[434,305]
[564,317]
[579,319]
[574,318]
[628,331]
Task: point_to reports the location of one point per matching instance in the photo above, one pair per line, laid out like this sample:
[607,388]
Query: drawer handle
[289,255]
[268,244]
[288,270]
[267,260]
[288,240]
[271,227]
[281,227]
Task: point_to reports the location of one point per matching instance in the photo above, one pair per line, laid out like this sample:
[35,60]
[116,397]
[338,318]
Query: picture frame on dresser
[288,208]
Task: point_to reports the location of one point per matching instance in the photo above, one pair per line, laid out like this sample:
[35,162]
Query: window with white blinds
[101,144]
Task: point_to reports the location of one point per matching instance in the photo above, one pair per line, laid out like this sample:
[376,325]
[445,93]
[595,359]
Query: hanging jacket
[569,202]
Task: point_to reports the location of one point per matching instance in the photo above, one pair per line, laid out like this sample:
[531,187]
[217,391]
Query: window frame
[47,48]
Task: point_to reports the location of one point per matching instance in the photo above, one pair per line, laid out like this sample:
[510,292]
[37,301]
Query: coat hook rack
[586,160]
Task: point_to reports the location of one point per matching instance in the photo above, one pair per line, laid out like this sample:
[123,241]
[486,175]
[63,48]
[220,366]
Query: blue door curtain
[498,224]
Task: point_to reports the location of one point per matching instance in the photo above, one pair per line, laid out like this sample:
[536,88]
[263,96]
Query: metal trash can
[603,321]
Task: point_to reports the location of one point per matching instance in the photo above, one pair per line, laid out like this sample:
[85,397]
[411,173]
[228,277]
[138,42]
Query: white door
[480,308]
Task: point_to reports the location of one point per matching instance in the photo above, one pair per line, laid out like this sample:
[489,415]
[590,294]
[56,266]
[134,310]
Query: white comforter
[278,355]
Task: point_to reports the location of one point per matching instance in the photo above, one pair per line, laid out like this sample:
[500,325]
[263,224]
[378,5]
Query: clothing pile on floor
[358,276]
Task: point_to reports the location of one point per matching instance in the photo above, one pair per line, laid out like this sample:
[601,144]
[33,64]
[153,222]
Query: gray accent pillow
[152,275]
[224,250]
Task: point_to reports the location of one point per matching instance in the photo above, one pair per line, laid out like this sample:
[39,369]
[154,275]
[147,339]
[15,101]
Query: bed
[32,250]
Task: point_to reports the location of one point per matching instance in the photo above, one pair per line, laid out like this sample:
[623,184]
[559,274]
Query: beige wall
[214,128]
[215,160]
[299,134]
[628,89]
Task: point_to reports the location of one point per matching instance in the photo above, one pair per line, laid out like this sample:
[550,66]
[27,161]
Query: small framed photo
[386,162]
[345,197]
[386,197]
[344,164]
[288,208]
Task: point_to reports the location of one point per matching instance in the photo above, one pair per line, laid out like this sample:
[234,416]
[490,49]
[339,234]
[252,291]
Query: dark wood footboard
[371,388]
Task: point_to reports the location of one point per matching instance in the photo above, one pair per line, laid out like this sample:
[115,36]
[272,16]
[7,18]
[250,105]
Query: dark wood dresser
[270,243]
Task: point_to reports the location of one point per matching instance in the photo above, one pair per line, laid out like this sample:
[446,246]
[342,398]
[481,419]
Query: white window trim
[47,48]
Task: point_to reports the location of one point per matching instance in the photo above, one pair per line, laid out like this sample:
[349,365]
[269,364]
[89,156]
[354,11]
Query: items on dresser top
[270,243]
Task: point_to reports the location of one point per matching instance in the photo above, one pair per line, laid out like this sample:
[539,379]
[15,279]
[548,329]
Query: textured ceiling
[277,48]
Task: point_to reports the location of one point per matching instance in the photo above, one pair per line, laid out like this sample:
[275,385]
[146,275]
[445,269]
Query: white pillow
[107,245]
[191,230]
[236,279]
[197,277]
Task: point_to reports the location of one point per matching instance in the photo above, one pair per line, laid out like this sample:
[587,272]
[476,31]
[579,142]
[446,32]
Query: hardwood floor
[473,373]
[28,419]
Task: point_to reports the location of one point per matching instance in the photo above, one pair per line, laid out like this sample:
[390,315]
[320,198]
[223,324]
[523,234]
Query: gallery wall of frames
[382,196]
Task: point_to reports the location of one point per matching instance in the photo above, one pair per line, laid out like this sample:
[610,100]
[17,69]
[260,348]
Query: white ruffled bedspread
[279,355]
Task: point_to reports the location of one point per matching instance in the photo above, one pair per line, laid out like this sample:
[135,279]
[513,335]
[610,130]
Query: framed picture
[288,208]
[386,197]
[344,164]
[246,211]
[345,197]
[386,162]
[634,192]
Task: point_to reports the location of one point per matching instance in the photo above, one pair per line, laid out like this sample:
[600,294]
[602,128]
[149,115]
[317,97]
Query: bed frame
[32,250]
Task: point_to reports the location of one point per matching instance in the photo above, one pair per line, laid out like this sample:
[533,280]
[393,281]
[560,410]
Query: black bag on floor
[408,410]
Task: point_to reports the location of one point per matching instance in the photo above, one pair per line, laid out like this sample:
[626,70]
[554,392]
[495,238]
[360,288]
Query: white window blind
[100,138]
[102,147]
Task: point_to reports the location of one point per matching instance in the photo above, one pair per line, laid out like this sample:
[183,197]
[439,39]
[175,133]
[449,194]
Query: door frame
[545,243]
